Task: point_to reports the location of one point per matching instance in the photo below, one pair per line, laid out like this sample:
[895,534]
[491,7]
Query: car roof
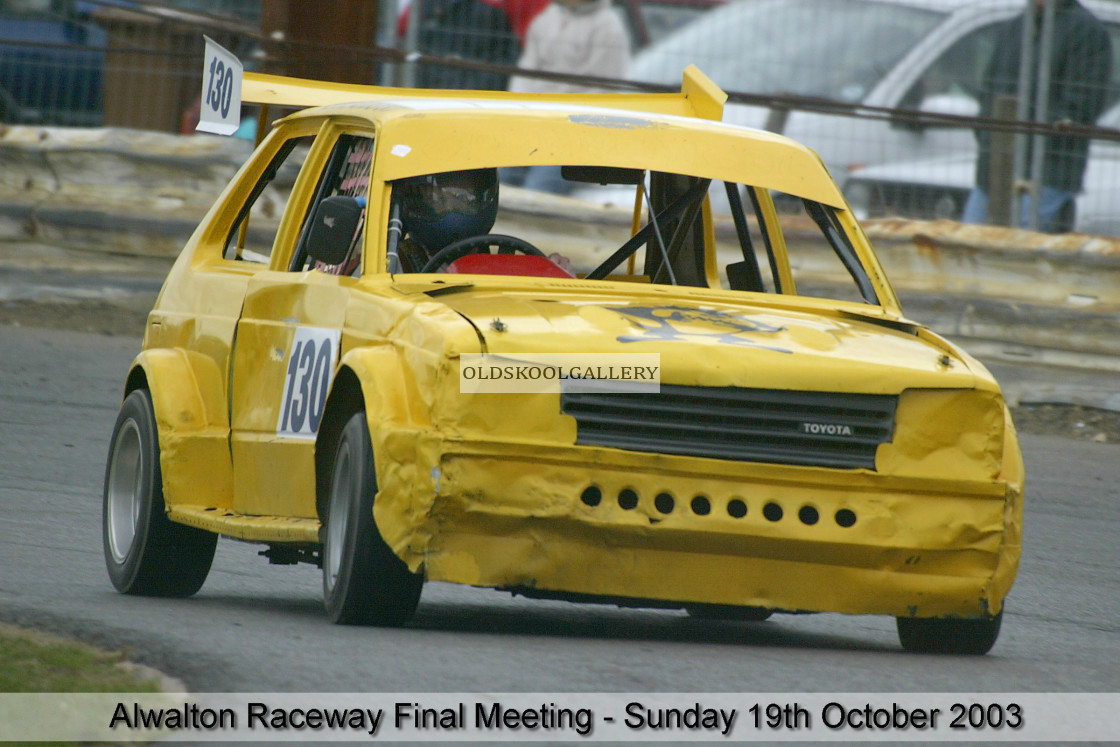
[508,133]
[425,131]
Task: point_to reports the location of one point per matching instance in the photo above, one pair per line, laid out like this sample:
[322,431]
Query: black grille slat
[762,425]
[770,455]
[725,429]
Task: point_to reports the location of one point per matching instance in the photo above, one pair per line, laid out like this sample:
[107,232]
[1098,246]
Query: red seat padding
[508,264]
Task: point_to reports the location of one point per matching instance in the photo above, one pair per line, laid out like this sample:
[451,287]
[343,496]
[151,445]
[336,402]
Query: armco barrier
[104,195]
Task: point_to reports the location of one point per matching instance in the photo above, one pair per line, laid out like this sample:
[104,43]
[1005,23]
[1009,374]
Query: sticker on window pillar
[311,360]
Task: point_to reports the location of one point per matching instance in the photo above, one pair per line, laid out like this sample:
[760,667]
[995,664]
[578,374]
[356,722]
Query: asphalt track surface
[261,628]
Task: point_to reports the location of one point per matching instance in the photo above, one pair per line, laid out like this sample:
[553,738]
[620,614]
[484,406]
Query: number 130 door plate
[310,369]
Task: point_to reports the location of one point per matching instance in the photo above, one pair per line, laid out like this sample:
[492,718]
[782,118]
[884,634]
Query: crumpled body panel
[502,497]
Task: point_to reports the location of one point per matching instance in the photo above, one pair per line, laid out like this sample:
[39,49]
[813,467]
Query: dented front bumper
[618,524]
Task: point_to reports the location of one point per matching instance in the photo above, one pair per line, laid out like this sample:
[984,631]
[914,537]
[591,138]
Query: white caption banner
[563,717]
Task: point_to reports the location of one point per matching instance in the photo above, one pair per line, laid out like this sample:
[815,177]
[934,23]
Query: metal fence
[891,93]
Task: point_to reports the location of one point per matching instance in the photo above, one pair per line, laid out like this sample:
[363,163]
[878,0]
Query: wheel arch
[145,552]
[368,379]
[192,424]
[344,400]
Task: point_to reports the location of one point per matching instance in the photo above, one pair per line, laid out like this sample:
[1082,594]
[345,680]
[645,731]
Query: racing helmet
[440,209]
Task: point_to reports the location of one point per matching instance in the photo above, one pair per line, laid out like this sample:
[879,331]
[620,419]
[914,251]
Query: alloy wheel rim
[338,514]
[125,485]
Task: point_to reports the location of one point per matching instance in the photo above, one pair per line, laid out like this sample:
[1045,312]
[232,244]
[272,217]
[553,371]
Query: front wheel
[145,552]
[364,583]
[949,635]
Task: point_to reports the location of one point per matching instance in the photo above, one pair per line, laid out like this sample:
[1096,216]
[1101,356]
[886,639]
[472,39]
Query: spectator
[577,37]
[522,12]
[477,30]
[1081,61]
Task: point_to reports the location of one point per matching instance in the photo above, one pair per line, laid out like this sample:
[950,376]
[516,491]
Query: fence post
[1001,176]
[1041,109]
[776,119]
[409,71]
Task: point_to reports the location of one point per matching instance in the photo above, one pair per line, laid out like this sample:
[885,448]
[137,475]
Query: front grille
[819,429]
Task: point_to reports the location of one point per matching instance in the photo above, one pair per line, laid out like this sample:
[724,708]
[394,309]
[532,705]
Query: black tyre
[364,583]
[145,552]
[948,635]
[729,612]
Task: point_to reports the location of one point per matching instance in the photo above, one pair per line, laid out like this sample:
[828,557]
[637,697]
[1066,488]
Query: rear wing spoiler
[226,86]
[699,96]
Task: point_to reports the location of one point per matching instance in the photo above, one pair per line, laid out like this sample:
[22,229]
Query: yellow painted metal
[507,134]
[703,94]
[711,265]
[888,299]
[495,513]
[485,489]
[636,224]
[189,339]
[249,528]
[699,96]
[275,474]
[489,494]
[188,395]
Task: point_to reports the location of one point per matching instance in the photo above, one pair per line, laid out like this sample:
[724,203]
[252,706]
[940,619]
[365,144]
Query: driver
[439,209]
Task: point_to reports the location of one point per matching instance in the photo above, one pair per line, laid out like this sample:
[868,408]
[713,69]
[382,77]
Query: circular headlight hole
[591,495]
[664,503]
[627,499]
[845,518]
[773,512]
[736,508]
[808,515]
[701,506]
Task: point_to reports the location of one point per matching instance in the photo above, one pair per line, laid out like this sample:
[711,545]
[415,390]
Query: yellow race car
[340,366]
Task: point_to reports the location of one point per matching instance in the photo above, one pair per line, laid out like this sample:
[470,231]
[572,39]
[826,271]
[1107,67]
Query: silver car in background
[931,189]
[928,55]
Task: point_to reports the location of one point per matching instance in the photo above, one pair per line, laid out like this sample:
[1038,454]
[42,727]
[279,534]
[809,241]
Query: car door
[197,311]
[287,346]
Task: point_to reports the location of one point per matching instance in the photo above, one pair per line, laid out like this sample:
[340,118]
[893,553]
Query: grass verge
[34,662]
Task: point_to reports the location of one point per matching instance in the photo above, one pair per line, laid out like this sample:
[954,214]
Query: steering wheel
[479,245]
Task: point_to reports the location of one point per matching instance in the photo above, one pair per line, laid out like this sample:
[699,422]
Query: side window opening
[332,233]
[676,254]
[822,258]
[672,235]
[751,235]
[745,275]
[254,231]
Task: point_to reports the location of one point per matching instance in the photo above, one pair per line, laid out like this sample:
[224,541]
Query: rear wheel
[364,583]
[949,635]
[145,552]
